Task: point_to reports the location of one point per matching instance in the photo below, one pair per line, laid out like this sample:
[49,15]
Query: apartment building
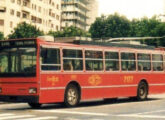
[77,13]
[44,14]
[93,12]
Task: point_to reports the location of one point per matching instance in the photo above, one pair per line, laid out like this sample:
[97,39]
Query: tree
[70,32]
[24,30]
[1,36]
[112,26]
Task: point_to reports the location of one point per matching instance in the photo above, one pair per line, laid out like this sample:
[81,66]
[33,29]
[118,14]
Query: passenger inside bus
[68,66]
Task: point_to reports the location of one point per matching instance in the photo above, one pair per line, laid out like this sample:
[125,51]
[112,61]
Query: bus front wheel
[72,96]
[35,105]
[142,91]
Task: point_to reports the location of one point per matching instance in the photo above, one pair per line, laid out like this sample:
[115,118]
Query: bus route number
[128,79]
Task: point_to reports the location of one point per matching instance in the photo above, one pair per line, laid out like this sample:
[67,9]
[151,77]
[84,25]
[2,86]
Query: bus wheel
[35,105]
[72,96]
[142,91]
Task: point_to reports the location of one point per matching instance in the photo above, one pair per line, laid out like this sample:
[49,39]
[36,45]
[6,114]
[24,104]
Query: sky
[132,8]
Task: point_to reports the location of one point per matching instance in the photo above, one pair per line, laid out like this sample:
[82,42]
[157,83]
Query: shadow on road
[83,104]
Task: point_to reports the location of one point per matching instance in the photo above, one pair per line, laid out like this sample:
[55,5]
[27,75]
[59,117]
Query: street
[122,109]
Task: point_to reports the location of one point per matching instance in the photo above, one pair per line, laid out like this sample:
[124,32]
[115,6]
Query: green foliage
[1,36]
[70,32]
[112,26]
[24,30]
[119,26]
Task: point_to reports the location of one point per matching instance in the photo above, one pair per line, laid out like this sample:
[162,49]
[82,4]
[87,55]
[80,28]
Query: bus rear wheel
[35,105]
[142,92]
[72,96]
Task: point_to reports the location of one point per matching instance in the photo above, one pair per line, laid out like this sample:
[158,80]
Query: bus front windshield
[18,62]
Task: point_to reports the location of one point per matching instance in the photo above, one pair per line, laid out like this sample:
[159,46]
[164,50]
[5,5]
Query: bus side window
[50,59]
[128,61]
[72,60]
[94,60]
[144,62]
[112,61]
[157,62]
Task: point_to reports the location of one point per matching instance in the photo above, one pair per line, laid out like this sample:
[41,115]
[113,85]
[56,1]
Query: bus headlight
[32,90]
[0,90]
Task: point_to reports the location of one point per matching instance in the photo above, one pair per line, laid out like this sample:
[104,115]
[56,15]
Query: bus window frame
[157,61]
[145,52]
[94,49]
[112,59]
[40,62]
[62,58]
[127,51]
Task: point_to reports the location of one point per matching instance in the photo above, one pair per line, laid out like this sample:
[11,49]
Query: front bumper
[19,99]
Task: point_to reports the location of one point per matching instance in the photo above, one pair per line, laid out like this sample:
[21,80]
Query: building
[78,13]
[93,12]
[44,14]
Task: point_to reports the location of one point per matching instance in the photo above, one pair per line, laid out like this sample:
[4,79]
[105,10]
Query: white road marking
[150,112]
[16,117]
[6,114]
[73,112]
[142,116]
[42,118]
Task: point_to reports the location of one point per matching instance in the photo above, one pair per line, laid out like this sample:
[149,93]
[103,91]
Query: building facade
[93,12]
[78,13]
[44,14]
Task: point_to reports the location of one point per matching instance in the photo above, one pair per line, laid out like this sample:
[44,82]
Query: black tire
[142,91]
[72,96]
[35,105]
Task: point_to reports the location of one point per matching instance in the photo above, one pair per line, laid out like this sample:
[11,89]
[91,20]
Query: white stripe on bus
[93,87]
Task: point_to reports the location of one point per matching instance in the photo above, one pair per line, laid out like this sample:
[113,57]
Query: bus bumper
[19,99]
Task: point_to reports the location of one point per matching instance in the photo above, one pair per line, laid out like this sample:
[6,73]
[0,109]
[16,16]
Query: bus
[37,71]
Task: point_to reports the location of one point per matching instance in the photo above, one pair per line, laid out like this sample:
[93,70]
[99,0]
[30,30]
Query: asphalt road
[122,109]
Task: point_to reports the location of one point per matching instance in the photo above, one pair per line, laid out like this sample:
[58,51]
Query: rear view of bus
[18,79]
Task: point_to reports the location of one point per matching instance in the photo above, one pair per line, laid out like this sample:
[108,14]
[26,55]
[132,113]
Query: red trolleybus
[38,72]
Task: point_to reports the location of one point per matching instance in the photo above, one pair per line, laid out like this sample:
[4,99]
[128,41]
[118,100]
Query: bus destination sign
[20,43]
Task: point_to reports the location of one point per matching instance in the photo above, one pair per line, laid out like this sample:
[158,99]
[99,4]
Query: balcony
[26,9]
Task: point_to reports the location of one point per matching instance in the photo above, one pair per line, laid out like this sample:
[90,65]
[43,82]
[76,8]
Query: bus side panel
[157,83]
[51,88]
[111,85]
[108,85]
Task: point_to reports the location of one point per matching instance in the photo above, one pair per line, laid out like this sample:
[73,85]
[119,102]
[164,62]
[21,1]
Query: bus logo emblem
[53,80]
[95,80]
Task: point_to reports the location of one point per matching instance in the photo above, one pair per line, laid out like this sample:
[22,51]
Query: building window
[57,27]
[57,6]
[1,22]
[13,1]
[39,9]
[12,12]
[25,3]
[24,15]
[11,24]
[57,17]
[19,2]
[18,14]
